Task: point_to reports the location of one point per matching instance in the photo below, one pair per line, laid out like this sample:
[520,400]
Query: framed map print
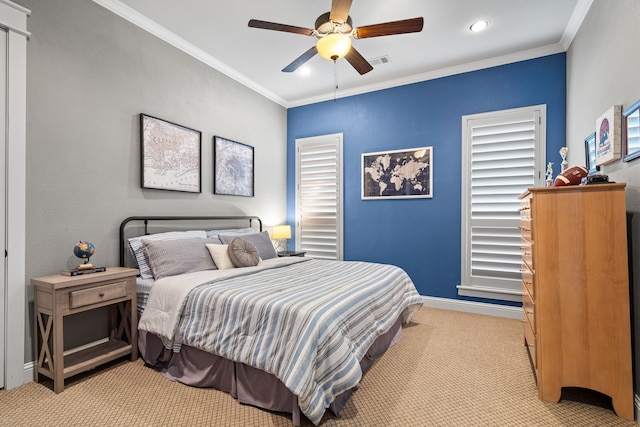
[170,155]
[406,173]
[233,174]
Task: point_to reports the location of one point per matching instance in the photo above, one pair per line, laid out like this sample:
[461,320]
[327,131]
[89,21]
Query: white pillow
[135,246]
[220,255]
[230,231]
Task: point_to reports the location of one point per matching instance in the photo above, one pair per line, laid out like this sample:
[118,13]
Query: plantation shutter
[319,196]
[503,156]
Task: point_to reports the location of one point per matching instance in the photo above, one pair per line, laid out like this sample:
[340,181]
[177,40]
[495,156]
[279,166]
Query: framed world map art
[400,174]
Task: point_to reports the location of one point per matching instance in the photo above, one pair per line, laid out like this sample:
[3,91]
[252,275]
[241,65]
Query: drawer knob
[101,294]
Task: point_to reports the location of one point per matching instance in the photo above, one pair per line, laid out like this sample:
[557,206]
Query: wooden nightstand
[58,296]
[291,253]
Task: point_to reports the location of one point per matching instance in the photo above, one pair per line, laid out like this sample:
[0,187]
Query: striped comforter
[308,323]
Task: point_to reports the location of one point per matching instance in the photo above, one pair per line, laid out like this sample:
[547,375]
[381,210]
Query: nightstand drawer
[97,294]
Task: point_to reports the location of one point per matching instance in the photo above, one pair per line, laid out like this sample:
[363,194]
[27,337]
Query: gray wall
[90,74]
[602,70]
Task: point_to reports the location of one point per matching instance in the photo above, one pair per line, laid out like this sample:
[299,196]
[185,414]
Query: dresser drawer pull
[530,312]
[101,294]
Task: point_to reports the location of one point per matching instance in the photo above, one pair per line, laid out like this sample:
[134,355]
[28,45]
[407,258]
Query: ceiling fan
[334,30]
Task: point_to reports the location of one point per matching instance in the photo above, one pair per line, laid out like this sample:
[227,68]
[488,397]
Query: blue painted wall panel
[423,235]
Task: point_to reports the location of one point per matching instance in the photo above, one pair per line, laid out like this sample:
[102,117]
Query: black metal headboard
[145,220]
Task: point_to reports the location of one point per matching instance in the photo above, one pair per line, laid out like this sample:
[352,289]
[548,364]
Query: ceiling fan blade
[340,10]
[255,23]
[357,61]
[300,60]
[413,25]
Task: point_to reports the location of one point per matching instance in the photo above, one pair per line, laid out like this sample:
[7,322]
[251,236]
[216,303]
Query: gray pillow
[243,253]
[172,257]
[135,246]
[261,241]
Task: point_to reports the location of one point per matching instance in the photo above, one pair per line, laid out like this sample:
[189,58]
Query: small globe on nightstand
[84,250]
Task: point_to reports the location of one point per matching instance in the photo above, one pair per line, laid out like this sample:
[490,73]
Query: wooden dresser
[575,291]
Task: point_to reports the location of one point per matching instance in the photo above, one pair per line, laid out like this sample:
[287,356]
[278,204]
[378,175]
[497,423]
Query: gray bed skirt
[248,385]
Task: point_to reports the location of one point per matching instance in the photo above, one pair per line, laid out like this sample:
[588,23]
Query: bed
[218,308]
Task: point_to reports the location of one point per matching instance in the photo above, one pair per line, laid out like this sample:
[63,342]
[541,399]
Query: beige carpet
[450,369]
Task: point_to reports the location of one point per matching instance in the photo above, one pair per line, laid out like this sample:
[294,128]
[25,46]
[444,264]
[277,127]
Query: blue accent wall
[423,235]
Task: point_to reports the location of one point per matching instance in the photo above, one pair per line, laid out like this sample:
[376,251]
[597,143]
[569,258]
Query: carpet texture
[450,369]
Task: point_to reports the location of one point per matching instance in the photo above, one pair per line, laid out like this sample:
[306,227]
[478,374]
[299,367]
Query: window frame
[336,139]
[482,287]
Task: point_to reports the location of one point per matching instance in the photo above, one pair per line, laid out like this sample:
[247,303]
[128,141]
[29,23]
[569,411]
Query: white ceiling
[216,32]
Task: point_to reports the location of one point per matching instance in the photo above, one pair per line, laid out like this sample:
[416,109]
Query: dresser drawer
[528,307]
[528,281]
[525,228]
[526,248]
[525,208]
[530,342]
[97,294]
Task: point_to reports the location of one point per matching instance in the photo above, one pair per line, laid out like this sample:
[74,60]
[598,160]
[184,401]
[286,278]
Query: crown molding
[435,74]
[124,11]
[575,22]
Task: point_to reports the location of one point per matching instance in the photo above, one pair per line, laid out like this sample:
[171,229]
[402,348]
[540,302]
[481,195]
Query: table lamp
[280,233]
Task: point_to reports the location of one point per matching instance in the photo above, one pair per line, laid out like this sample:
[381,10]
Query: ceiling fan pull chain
[335,80]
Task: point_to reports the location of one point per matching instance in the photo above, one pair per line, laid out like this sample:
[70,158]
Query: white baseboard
[474,307]
[27,375]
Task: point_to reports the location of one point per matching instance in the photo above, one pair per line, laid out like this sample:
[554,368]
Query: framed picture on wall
[398,174]
[590,153]
[170,155]
[233,164]
[609,135]
[631,132]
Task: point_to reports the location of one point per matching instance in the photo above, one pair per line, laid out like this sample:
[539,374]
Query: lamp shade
[334,46]
[281,232]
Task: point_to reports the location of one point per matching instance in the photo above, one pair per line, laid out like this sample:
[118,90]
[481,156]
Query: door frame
[13,18]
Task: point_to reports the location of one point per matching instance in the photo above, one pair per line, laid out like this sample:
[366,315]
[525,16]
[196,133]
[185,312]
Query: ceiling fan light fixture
[334,46]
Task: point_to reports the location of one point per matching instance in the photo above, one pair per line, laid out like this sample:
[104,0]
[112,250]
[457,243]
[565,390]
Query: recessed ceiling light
[479,26]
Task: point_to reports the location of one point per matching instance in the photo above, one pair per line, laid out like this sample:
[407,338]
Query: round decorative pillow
[243,253]
[571,176]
